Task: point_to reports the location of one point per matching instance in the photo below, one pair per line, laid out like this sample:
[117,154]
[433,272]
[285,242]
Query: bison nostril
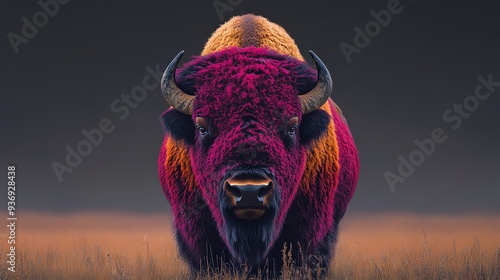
[265,191]
[233,191]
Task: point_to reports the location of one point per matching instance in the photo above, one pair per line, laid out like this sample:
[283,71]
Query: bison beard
[250,240]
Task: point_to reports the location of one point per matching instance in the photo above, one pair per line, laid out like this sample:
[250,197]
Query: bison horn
[316,97]
[174,96]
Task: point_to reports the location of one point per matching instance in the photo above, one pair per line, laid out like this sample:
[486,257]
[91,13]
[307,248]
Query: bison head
[248,116]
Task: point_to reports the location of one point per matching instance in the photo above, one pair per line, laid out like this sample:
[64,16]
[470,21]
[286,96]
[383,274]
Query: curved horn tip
[170,71]
[321,92]
[320,65]
[315,57]
[174,96]
[179,55]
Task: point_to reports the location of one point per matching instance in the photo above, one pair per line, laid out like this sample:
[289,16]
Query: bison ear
[178,125]
[313,125]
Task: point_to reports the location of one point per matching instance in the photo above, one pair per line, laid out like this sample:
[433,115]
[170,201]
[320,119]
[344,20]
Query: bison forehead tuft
[242,81]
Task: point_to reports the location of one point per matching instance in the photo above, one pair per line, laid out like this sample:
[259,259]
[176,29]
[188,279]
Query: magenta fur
[247,95]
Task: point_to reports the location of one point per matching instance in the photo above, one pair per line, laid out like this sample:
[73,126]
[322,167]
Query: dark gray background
[394,91]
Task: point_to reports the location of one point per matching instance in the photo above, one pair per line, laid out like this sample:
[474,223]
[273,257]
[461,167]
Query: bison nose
[249,199]
[249,195]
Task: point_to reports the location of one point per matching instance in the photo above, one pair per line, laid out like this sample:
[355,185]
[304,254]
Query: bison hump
[252,30]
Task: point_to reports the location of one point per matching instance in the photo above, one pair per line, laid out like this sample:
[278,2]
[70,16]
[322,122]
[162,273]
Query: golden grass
[118,246]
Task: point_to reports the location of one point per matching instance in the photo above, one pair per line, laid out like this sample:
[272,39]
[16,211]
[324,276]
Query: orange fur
[178,158]
[270,35]
[275,37]
[227,35]
[323,158]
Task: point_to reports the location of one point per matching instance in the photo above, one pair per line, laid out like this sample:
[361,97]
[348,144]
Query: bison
[255,156]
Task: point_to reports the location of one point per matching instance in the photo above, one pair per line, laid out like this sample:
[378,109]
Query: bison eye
[291,131]
[203,131]
[292,125]
[201,126]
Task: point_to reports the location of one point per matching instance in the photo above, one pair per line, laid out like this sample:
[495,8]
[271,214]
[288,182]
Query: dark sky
[395,90]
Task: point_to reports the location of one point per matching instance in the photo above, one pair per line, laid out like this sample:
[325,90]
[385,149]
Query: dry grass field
[119,246]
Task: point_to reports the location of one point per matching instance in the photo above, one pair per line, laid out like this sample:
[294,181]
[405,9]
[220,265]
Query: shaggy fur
[251,30]
[247,95]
